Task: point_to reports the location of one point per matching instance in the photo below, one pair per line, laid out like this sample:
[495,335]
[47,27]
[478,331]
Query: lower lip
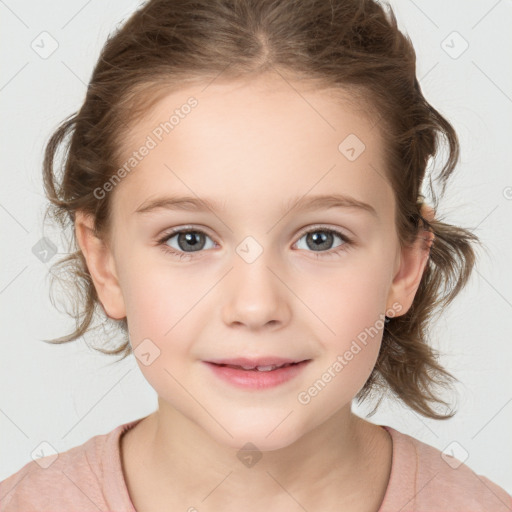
[254,379]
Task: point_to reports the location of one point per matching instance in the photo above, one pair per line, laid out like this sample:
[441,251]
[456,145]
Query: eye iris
[319,238]
[191,238]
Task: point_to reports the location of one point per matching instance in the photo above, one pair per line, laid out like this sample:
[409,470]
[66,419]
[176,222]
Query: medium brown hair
[349,45]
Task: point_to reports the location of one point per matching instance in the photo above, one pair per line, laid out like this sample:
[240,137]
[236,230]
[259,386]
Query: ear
[412,263]
[100,263]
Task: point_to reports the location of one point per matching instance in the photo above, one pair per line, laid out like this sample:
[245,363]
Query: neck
[345,458]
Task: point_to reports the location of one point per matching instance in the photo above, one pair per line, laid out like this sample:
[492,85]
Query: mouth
[262,364]
[265,368]
[257,375]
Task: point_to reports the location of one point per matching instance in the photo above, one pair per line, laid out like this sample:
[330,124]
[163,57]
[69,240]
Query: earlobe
[101,266]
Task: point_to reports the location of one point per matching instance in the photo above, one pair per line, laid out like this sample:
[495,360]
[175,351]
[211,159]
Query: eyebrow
[304,203]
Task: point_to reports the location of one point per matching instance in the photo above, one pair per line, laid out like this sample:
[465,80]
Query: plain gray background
[66,394]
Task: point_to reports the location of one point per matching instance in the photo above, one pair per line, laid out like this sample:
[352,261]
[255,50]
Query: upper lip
[256,361]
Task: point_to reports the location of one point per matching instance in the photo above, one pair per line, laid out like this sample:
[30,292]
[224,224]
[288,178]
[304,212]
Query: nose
[254,295]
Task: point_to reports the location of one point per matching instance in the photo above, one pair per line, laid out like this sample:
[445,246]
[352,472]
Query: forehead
[268,139]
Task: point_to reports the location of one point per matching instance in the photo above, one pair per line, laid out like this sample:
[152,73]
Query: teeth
[266,368]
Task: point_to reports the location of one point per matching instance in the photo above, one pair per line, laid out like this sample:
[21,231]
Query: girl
[244,181]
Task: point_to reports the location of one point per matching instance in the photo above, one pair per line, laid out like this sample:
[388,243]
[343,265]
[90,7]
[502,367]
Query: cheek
[344,300]
[338,381]
[162,321]
[160,298]
[349,357]
[166,309]
[347,306]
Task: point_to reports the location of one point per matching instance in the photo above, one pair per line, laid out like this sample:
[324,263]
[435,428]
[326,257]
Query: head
[266,106]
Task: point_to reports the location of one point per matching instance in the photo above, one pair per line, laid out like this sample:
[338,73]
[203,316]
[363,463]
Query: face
[265,270]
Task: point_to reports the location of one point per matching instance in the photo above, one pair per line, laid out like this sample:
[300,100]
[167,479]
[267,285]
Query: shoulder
[86,477]
[424,478]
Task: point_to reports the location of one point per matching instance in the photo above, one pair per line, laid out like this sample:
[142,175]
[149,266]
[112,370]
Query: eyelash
[180,255]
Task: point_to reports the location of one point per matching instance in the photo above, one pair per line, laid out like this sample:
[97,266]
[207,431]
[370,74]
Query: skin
[253,147]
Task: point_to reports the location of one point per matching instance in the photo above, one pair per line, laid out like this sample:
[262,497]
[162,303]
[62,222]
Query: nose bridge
[256,295]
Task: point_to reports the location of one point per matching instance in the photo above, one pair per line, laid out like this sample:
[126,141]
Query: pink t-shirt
[89,478]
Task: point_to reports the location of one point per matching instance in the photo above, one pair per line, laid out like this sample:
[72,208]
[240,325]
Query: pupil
[321,239]
[190,238]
